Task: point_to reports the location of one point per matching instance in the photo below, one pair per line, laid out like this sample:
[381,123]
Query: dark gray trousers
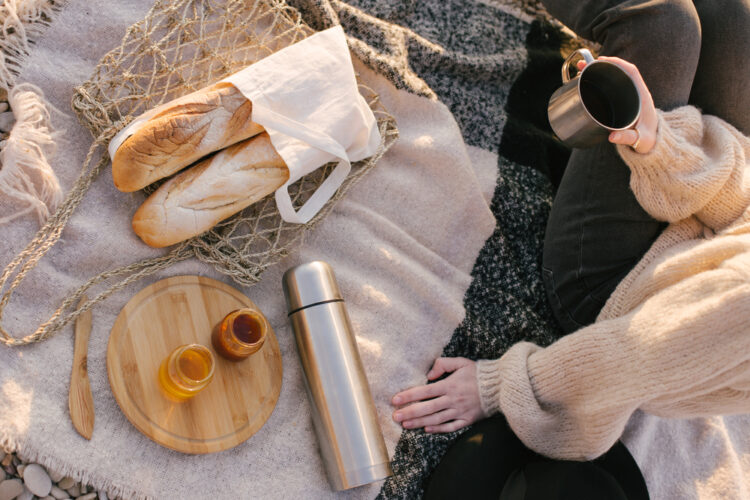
[689,52]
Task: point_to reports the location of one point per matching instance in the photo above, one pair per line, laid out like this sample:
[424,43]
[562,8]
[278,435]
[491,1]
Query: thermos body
[343,411]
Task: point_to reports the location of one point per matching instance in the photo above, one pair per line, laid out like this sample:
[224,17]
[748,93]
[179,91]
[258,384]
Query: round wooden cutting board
[183,310]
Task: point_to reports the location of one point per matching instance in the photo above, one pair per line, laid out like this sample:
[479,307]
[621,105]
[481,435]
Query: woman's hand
[444,406]
[643,136]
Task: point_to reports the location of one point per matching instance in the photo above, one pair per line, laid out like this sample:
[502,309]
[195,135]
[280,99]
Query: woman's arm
[698,166]
[683,353]
[685,163]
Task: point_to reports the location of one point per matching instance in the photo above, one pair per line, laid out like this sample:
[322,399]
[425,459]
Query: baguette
[187,130]
[197,199]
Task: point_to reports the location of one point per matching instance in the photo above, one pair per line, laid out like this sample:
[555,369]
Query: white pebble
[26,495]
[74,491]
[10,488]
[3,106]
[55,476]
[67,482]
[6,121]
[103,496]
[58,493]
[90,496]
[37,480]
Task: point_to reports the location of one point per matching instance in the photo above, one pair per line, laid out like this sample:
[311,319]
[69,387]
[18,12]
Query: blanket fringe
[98,482]
[21,22]
[25,173]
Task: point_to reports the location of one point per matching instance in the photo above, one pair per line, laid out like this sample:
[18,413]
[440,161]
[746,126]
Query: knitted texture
[672,339]
[672,182]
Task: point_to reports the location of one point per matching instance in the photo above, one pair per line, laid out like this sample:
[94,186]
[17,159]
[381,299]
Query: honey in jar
[186,371]
[240,334]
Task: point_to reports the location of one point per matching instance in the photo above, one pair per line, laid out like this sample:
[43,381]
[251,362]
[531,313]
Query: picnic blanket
[437,251]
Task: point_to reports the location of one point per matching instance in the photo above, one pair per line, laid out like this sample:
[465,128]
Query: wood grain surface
[80,399]
[184,310]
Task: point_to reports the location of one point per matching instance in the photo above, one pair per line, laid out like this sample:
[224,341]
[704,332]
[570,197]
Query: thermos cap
[308,284]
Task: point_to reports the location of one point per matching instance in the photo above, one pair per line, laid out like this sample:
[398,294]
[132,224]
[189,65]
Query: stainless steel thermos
[343,411]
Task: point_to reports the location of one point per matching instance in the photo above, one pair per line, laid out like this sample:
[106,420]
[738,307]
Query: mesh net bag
[179,47]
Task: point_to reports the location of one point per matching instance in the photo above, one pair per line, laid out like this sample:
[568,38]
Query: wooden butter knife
[80,399]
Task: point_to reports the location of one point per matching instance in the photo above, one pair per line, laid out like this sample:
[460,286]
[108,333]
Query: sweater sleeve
[683,353]
[698,166]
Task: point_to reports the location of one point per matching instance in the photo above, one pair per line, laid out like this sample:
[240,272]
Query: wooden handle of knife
[80,400]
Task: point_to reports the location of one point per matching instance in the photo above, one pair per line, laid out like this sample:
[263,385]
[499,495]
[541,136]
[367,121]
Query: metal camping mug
[600,99]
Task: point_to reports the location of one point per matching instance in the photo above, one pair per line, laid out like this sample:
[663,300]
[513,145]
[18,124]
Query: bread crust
[195,126]
[197,199]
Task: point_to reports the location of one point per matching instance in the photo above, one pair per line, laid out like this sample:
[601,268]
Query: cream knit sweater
[674,337]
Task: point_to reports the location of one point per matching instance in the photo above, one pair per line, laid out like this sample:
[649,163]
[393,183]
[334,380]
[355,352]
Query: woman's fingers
[451,426]
[626,137]
[418,410]
[641,140]
[419,393]
[632,71]
[644,138]
[446,365]
[440,367]
[446,405]
[432,419]
[629,68]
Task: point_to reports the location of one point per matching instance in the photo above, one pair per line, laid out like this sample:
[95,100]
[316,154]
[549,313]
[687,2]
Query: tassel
[25,174]
[21,22]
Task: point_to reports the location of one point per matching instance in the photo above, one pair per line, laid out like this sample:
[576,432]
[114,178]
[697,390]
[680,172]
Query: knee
[682,24]
[662,38]
[725,25]
[680,14]
[668,28]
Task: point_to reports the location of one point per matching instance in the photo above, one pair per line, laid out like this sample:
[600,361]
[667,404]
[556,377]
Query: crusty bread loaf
[197,199]
[189,129]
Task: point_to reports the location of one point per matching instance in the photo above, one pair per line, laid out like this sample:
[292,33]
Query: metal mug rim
[633,122]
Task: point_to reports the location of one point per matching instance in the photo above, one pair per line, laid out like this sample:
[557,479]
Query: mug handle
[584,53]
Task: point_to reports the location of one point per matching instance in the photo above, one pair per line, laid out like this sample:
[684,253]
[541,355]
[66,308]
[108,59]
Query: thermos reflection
[344,414]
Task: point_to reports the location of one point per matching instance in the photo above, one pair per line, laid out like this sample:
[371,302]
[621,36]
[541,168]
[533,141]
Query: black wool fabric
[495,67]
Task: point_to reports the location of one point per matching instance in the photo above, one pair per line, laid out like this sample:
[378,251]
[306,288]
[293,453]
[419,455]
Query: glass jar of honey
[186,371]
[240,334]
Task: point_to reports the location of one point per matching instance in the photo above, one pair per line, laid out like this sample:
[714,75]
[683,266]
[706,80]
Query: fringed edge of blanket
[25,173]
[97,481]
[23,22]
